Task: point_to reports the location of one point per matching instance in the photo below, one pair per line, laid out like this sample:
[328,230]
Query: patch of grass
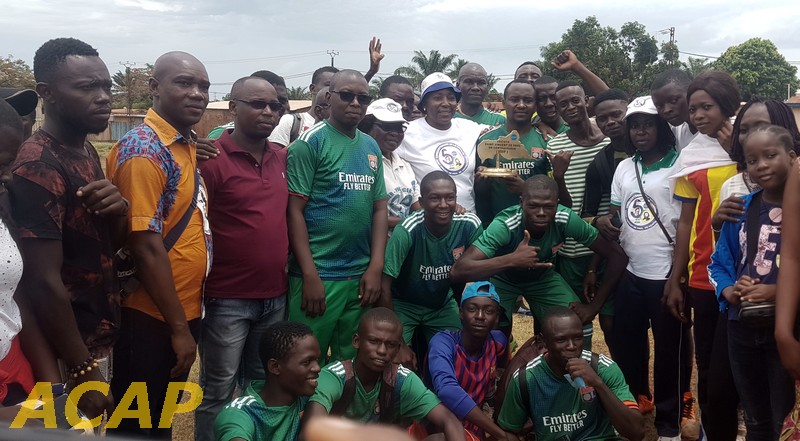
[102,149]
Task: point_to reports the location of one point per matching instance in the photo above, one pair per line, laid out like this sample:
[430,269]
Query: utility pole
[333,54]
[671,31]
[128,84]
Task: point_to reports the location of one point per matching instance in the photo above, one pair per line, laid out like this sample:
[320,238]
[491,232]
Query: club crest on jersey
[587,394]
[458,252]
[373,162]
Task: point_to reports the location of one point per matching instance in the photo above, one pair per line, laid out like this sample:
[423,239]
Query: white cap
[435,82]
[642,104]
[386,110]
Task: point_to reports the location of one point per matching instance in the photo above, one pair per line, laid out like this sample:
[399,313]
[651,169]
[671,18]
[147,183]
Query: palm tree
[697,65]
[455,67]
[375,87]
[424,65]
[298,93]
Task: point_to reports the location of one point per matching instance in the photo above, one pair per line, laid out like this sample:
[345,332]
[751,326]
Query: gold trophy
[509,147]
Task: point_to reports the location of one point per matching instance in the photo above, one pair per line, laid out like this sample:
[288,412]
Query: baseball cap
[472,291]
[435,82]
[386,110]
[642,104]
[24,101]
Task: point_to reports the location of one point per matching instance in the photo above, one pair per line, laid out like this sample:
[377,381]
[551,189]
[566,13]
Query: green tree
[375,87]
[697,65]
[455,67]
[16,73]
[424,65]
[130,88]
[626,59]
[298,93]
[759,69]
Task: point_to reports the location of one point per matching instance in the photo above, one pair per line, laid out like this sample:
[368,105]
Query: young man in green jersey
[570,393]
[271,408]
[337,219]
[519,248]
[419,256]
[370,388]
[495,194]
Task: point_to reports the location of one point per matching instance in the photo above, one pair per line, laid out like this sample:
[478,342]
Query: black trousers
[143,353]
[637,308]
[716,391]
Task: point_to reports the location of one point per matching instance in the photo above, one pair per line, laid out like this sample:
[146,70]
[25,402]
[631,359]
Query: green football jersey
[247,417]
[508,228]
[420,262]
[415,401]
[492,195]
[217,131]
[558,409]
[341,178]
[484,117]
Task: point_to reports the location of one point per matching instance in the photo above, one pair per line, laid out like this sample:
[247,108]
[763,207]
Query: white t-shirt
[281,133]
[401,185]
[649,252]
[452,151]
[683,135]
[10,273]
[737,185]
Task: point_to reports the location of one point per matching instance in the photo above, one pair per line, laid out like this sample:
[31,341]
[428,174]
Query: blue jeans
[232,331]
[765,388]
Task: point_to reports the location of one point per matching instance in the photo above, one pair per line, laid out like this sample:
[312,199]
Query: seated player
[463,364]
[370,388]
[271,409]
[570,393]
[518,251]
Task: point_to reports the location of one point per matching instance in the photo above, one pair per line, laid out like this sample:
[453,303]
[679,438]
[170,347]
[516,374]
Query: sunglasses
[275,106]
[348,97]
[389,127]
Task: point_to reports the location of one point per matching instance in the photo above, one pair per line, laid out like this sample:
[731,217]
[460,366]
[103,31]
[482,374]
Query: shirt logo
[373,162]
[451,158]
[458,252]
[638,215]
[392,107]
[556,248]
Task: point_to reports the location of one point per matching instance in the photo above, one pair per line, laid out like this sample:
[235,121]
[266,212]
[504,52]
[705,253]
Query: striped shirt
[575,179]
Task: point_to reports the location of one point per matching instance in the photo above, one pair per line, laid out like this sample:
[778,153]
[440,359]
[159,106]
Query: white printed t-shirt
[401,185]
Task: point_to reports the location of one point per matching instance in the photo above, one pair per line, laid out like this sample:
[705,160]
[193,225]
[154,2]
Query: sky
[291,38]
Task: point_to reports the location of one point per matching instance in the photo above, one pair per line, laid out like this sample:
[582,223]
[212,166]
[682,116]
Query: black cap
[24,101]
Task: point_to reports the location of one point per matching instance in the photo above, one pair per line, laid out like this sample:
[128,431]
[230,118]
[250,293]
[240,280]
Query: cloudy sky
[236,37]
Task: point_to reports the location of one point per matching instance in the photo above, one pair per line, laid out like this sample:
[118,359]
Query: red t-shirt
[247,212]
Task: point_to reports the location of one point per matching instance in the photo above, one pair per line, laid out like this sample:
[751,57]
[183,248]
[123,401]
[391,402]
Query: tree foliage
[696,66]
[298,93]
[424,65]
[759,69]
[627,59]
[131,88]
[16,73]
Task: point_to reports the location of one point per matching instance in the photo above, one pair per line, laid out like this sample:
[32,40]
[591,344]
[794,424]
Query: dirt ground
[183,426]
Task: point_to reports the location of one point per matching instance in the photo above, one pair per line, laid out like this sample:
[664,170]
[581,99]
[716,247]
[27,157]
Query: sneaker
[645,404]
[690,428]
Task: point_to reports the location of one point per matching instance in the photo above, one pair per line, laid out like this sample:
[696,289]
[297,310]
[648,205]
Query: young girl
[703,166]
[742,271]
[640,194]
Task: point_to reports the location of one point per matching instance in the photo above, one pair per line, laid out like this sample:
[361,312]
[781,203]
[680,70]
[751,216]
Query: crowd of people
[363,259]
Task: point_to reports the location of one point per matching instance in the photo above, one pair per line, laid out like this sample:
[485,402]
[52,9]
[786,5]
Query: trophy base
[498,173]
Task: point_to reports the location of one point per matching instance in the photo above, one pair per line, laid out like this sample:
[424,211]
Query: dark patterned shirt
[44,203]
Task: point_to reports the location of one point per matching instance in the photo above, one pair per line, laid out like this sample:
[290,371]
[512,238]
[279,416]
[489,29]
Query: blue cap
[435,82]
[472,291]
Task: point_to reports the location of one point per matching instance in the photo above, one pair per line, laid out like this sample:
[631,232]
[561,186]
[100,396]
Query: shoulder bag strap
[650,206]
[176,231]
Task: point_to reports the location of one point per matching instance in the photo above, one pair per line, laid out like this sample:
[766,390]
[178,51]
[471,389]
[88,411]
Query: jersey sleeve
[282,132]
[613,378]
[616,187]
[396,251]
[216,132]
[329,389]
[579,230]
[495,237]
[722,270]
[501,341]
[301,163]
[416,401]
[142,182]
[379,187]
[513,414]
[685,191]
[441,366]
[38,195]
[234,423]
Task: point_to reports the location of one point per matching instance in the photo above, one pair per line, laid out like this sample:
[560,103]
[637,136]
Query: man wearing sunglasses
[337,219]
[246,290]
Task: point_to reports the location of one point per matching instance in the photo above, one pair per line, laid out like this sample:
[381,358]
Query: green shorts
[547,291]
[573,270]
[335,328]
[429,321]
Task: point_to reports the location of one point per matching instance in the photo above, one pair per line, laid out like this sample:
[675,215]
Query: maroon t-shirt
[247,211]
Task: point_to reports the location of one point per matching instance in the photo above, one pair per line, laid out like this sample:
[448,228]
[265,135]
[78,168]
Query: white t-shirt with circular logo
[10,274]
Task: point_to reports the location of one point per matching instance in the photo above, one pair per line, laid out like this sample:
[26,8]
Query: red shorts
[15,370]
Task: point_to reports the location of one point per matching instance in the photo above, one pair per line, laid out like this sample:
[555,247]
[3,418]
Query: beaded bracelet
[84,367]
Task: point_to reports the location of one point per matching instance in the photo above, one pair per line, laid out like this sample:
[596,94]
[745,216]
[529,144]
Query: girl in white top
[441,142]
